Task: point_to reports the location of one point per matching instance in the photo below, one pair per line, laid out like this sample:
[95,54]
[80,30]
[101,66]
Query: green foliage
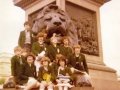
[2,80]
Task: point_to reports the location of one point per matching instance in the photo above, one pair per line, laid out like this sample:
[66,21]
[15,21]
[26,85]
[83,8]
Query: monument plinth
[85,15]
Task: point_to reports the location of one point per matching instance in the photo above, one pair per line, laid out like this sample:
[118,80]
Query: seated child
[64,75]
[16,62]
[45,75]
[28,73]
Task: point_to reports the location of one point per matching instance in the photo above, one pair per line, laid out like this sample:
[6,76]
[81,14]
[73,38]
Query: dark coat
[52,51]
[42,71]
[78,62]
[54,67]
[16,63]
[21,40]
[65,71]
[26,71]
[66,51]
[36,48]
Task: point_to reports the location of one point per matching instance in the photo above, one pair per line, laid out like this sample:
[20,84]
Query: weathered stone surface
[74,88]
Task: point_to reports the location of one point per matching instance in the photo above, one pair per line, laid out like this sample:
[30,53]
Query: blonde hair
[17,48]
[77,46]
[45,59]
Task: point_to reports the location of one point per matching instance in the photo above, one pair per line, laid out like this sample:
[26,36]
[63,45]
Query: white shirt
[27,37]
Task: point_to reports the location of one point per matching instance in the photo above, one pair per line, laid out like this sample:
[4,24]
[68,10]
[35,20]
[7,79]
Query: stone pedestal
[86,16]
[79,88]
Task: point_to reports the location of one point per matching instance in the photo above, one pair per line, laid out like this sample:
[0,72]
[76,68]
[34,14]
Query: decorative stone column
[86,16]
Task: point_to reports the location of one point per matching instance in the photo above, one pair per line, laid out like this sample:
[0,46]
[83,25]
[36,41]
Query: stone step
[74,88]
[82,88]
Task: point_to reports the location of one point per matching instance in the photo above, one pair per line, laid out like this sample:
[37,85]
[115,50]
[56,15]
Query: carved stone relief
[85,22]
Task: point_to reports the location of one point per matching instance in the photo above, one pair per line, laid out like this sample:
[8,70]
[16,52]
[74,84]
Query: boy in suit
[78,63]
[16,62]
[65,48]
[26,37]
[53,48]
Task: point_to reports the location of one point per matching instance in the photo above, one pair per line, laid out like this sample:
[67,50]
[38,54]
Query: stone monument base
[103,77]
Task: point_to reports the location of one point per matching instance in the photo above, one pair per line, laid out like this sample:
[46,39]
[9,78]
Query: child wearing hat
[45,75]
[27,74]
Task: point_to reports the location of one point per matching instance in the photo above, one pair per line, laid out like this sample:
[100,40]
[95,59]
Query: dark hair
[30,54]
[61,58]
[41,34]
[26,23]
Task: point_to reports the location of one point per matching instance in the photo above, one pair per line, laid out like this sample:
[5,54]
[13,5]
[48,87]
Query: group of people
[46,63]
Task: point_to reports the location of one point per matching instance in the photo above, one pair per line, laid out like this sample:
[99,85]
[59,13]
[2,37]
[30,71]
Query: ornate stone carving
[85,23]
[51,19]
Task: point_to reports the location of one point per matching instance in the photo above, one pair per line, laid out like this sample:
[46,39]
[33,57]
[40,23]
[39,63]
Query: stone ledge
[101,68]
[74,88]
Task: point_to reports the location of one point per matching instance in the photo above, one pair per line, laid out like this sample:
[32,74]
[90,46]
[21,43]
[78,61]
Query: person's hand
[43,82]
[30,78]
[72,69]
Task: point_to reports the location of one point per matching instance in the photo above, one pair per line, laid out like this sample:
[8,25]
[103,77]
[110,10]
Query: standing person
[16,62]
[53,48]
[45,75]
[65,49]
[27,74]
[64,74]
[26,37]
[78,63]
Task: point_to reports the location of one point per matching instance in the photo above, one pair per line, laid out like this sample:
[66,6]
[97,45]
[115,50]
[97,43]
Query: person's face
[54,40]
[41,40]
[77,50]
[45,35]
[45,63]
[30,59]
[62,63]
[24,53]
[18,52]
[65,41]
[27,27]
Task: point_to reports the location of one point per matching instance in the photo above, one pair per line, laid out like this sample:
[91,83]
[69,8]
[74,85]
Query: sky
[12,19]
